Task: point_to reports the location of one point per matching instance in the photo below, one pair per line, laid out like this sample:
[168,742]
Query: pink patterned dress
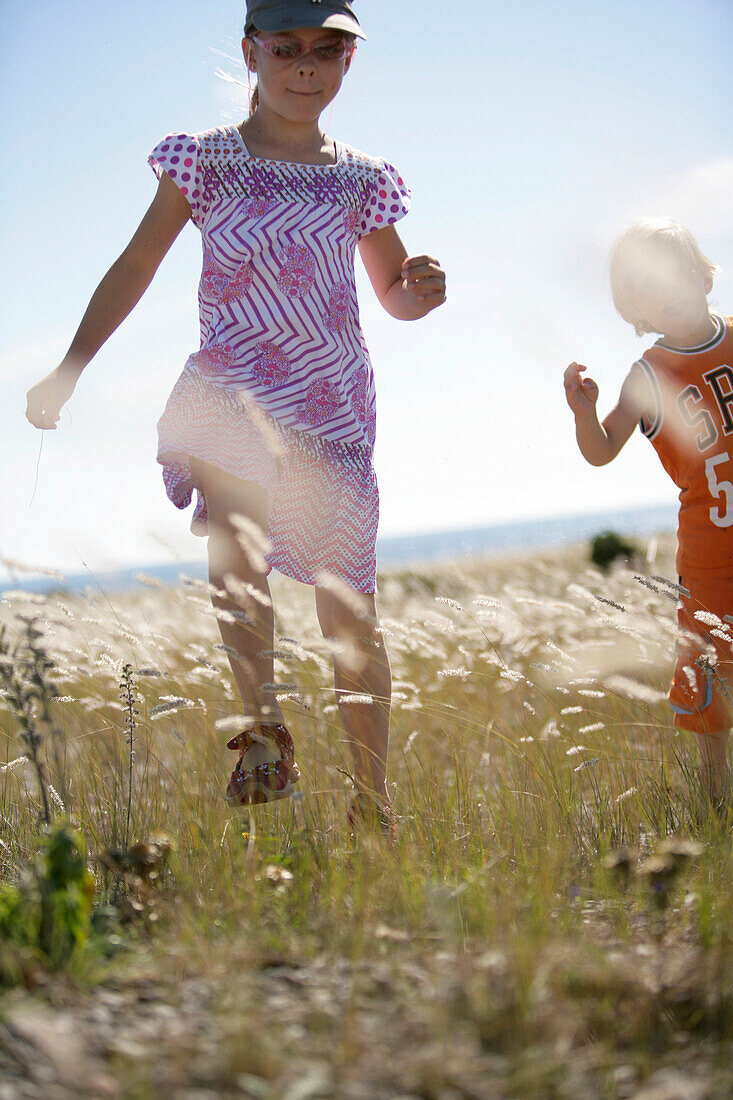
[281,390]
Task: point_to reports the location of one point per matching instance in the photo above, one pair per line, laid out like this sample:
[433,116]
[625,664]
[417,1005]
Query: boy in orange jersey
[681,395]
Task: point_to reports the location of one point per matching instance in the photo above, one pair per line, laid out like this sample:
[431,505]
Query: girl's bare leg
[714,767]
[251,638]
[362,668]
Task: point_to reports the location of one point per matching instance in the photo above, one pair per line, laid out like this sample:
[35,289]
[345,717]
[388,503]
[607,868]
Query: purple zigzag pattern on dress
[324,496]
[328,361]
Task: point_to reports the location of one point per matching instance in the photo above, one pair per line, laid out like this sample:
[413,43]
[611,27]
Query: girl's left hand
[425,280]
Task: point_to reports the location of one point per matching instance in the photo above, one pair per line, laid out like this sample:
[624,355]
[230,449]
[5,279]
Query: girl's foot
[368,813]
[266,769]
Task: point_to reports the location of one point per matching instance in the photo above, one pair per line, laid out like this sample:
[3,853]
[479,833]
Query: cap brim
[328,22]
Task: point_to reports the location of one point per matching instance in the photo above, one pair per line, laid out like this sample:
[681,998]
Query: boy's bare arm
[600,442]
[116,296]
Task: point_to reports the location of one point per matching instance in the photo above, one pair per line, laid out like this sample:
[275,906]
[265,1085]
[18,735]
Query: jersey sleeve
[178,155]
[653,415]
[388,200]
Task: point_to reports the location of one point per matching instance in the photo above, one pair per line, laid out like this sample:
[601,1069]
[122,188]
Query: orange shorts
[701,694]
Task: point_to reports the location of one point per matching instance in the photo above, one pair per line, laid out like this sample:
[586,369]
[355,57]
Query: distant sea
[403,549]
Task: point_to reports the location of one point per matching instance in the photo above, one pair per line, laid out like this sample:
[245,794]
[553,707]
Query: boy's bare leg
[362,668]
[714,767]
[251,638]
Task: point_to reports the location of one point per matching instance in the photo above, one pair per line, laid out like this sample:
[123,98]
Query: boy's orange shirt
[690,425]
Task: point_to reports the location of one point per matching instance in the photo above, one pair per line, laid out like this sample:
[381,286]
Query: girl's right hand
[581,393]
[47,397]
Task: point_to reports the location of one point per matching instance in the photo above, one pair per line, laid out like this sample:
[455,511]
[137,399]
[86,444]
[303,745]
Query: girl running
[272,421]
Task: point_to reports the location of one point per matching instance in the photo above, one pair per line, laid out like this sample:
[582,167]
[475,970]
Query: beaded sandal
[266,781]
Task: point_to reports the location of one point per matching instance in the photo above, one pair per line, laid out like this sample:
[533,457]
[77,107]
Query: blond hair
[639,244]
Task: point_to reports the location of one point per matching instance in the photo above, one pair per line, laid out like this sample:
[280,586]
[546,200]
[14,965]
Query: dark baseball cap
[287,15]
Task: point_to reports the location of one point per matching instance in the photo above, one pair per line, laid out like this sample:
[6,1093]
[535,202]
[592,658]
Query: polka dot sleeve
[177,155]
[387,202]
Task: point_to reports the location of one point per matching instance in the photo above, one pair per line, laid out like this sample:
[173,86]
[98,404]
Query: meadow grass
[489,951]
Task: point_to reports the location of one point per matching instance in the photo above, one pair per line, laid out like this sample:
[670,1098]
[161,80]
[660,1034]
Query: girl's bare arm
[117,294]
[408,288]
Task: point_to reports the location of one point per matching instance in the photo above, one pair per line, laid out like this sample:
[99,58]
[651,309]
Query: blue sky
[530,134]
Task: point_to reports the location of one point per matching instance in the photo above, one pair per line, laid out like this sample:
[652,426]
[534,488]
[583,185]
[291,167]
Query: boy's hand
[423,278]
[581,393]
[47,397]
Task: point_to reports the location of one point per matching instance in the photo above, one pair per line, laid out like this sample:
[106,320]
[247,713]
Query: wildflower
[234,722]
[203,586]
[592,728]
[647,584]
[571,710]
[575,750]
[550,729]
[624,685]
[241,591]
[449,602]
[253,541]
[293,697]
[690,675]
[56,799]
[148,581]
[708,618]
[680,589]
[272,689]
[582,593]
[526,740]
[587,764]
[529,707]
[230,615]
[348,697]
[590,693]
[447,673]
[610,603]
[13,764]
[170,704]
[626,794]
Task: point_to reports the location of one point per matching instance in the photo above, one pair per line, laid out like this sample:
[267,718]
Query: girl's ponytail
[254,93]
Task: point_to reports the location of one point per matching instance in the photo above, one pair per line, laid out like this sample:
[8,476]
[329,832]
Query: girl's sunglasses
[292,49]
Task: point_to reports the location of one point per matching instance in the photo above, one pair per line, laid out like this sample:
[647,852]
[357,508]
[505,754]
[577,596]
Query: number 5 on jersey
[720,490]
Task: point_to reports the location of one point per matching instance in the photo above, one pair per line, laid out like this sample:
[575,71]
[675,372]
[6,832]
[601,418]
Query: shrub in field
[607,546]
